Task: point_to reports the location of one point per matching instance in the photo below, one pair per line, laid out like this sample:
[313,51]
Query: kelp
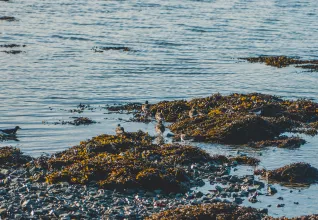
[237,118]
[113,144]
[126,107]
[284,61]
[124,161]
[210,211]
[245,160]
[102,49]
[293,173]
[282,142]
[78,121]
[12,45]
[12,157]
[305,217]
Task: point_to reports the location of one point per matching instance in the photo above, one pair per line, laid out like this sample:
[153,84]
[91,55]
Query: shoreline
[24,186]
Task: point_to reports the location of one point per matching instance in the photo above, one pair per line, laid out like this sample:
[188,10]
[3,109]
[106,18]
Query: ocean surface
[178,50]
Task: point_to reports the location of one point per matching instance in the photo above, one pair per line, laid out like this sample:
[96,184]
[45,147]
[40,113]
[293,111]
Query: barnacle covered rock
[210,211]
[294,173]
[12,157]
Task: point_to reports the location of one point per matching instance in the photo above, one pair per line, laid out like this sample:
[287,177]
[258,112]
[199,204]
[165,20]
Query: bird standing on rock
[145,108]
[193,112]
[159,116]
[10,131]
[160,128]
[119,130]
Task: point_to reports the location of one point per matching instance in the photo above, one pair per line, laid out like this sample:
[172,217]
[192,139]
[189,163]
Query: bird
[119,130]
[12,131]
[159,116]
[160,128]
[193,112]
[145,107]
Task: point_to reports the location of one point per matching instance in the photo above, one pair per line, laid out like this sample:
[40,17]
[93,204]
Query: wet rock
[12,45]
[13,51]
[294,173]
[271,190]
[7,18]
[102,49]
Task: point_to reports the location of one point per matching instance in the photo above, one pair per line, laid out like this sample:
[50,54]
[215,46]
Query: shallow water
[179,50]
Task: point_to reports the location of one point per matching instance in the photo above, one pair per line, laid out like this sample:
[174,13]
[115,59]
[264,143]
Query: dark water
[178,50]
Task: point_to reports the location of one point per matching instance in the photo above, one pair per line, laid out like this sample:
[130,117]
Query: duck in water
[160,128]
[193,113]
[119,130]
[159,116]
[12,131]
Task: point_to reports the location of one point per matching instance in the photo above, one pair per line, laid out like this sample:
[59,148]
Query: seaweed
[12,157]
[102,49]
[245,160]
[284,61]
[12,45]
[210,211]
[238,118]
[125,161]
[78,121]
[294,173]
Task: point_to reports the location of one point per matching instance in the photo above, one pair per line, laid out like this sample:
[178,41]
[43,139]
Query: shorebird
[145,107]
[119,130]
[159,116]
[193,112]
[160,128]
[12,131]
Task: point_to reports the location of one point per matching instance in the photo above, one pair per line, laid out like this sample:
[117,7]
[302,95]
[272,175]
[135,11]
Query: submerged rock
[12,45]
[284,61]
[78,121]
[102,49]
[7,18]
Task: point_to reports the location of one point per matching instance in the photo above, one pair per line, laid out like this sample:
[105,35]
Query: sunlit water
[179,49]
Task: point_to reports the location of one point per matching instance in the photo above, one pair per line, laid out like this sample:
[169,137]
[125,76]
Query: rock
[271,190]
[3,211]
[26,203]
[294,173]
[238,200]
[199,194]
[4,172]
